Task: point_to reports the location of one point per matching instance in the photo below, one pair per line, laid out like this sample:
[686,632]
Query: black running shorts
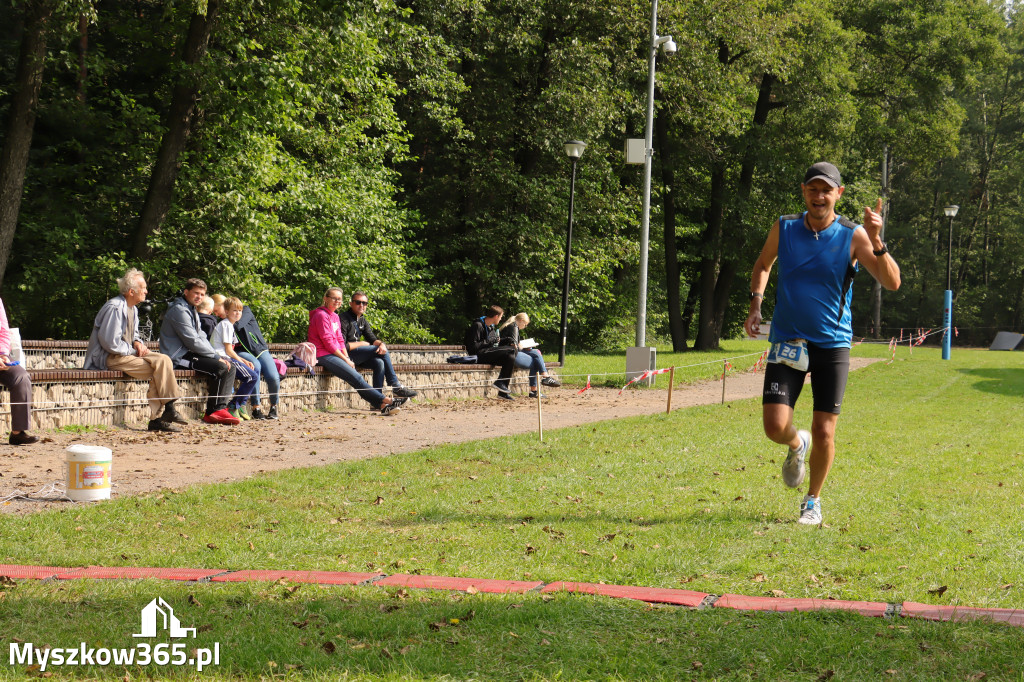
[829,369]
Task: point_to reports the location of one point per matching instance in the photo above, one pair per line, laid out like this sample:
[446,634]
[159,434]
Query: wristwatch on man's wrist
[882,251]
[755,294]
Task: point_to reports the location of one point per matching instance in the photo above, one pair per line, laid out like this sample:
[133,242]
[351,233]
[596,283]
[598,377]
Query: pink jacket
[5,332]
[325,332]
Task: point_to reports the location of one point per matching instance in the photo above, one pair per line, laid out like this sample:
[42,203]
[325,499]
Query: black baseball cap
[823,170]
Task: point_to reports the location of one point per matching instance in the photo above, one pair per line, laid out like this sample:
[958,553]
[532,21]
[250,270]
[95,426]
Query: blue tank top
[813,294]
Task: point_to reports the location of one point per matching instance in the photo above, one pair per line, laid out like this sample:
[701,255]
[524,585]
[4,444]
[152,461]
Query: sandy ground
[145,462]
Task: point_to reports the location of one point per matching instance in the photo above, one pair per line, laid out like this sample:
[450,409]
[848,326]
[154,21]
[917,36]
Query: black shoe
[551,381]
[501,385]
[22,438]
[403,392]
[160,425]
[505,395]
[171,415]
[272,414]
[398,402]
[257,413]
[390,409]
[533,394]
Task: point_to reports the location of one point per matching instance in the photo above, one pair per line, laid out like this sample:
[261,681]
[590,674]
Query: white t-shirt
[223,333]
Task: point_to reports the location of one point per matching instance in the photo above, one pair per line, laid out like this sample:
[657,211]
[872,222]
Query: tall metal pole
[645,221]
[947,301]
[568,251]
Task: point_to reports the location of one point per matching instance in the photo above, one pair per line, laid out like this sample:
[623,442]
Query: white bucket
[88,469]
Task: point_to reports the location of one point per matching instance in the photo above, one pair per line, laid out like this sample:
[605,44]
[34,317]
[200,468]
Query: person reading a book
[528,356]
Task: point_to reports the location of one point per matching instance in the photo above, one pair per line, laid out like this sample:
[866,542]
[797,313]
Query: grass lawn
[923,504]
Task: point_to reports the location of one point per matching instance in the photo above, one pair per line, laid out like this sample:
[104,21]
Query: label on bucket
[83,475]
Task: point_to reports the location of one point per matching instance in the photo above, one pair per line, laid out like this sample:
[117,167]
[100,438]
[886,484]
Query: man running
[811,332]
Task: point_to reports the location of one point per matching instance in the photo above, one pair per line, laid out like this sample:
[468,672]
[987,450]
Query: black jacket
[250,338]
[511,332]
[208,322]
[355,327]
[479,337]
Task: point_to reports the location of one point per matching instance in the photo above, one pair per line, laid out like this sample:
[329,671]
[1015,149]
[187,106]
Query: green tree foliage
[413,149]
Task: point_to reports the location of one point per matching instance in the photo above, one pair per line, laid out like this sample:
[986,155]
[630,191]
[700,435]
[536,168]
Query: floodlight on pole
[947,316]
[574,150]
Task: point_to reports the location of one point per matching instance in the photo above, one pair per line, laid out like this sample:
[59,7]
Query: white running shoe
[793,468]
[810,511]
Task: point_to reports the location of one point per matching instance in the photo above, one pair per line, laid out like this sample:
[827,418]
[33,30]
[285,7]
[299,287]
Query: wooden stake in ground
[725,364]
[671,380]
[540,419]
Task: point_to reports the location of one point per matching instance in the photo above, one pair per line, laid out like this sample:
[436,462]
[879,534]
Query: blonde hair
[218,299]
[518,317]
[206,305]
[232,303]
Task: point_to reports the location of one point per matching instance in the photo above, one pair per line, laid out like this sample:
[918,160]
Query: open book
[527,343]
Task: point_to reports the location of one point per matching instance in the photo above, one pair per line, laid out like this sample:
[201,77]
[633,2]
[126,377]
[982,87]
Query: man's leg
[222,382]
[155,368]
[823,449]
[366,357]
[830,369]
[778,424]
[505,358]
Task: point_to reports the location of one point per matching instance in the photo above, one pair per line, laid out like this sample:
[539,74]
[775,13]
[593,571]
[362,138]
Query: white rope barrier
[110,403]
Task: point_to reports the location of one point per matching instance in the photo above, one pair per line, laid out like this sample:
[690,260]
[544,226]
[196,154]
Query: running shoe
[810,511]
[793,468]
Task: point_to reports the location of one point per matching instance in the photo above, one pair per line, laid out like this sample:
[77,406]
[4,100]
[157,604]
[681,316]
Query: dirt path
[145,462]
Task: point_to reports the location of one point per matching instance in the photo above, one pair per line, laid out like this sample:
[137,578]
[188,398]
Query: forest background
[414,149]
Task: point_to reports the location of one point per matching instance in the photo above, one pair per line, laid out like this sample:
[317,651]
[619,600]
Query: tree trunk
[717,270]
[179,128]
[20,123]
[876,287]
[707,339]
[675,317]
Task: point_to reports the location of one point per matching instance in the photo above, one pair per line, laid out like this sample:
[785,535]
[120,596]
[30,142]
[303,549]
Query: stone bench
[73,396]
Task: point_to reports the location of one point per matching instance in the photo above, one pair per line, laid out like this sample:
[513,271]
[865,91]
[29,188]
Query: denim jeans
[266,368]
[340,369]
[533,361]
[367,358]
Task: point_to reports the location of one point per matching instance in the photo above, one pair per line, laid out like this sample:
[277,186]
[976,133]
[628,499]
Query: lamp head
[951,210]
[574,149]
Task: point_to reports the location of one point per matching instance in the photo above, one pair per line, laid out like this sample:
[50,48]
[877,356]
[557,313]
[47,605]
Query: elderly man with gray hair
[115,345]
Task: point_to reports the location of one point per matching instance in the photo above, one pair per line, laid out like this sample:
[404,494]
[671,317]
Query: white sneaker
[793,468]
[810,511]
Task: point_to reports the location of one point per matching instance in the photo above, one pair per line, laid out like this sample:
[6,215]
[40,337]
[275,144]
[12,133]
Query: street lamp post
[574,150]
[947,318]
[666,43]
